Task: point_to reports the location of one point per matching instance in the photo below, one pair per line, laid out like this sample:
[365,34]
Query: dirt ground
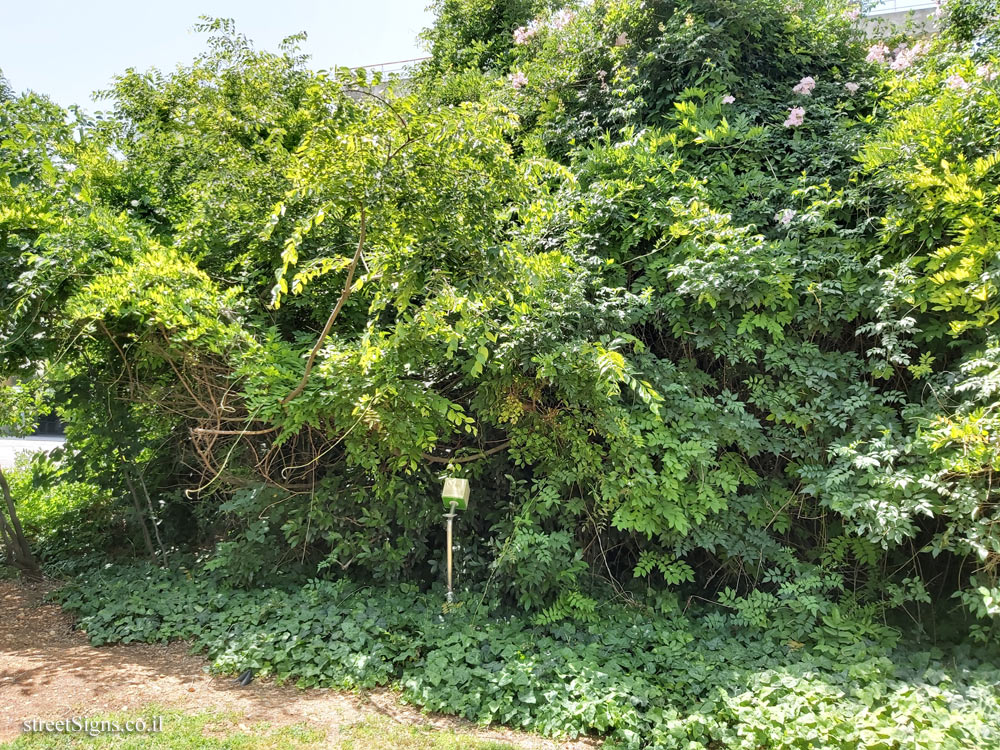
[48,670]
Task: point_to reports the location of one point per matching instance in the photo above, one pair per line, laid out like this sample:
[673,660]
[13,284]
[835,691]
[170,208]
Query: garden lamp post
[455,496]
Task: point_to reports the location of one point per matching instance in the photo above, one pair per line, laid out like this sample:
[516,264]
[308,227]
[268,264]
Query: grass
[375,734]
[229,731]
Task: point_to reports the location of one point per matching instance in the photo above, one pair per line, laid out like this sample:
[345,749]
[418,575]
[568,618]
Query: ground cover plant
[651,675]
[701,296]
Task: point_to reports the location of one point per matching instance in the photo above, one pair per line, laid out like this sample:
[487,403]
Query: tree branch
[333,315]
[466,459]
[208,431]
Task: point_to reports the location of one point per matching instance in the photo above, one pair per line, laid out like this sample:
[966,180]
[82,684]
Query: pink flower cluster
[518,79]
[785,217]
[728,99]
[904,59]
[805,86]
[906,55]
[986,73]
[561,19]
[852,88]
[956,82]
[877,53]
[524,34]
[853,14]
[796,116]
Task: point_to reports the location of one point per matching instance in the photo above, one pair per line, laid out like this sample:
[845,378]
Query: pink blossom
[796,116]
[728,99]
[560,19]
[523,34]
[956,82]
[518,79]
[905,56]
[853,14]
[984,72]
[805,86]
[785,217]
[621,40]
[877,53]
[852,88]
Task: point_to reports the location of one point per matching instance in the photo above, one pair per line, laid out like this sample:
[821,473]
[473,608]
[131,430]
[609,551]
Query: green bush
[652,677]
[973,22]
[62,520]
[701,295]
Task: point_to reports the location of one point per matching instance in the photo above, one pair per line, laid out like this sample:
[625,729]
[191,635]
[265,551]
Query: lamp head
[455,491]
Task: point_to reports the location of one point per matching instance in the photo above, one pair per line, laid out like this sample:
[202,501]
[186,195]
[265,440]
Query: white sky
[70,48]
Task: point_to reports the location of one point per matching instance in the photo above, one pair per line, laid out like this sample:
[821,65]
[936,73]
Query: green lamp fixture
[455,496]
[455,491]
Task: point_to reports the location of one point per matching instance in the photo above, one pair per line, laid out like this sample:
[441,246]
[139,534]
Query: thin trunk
[13,534]
[152,520]
[7,537]
[139,517]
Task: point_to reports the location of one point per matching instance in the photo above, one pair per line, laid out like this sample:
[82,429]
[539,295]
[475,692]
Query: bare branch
[465,459]
[333,315]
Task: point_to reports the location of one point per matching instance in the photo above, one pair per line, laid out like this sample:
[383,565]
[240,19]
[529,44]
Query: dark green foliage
[973,22]
[655,677]
[475,34]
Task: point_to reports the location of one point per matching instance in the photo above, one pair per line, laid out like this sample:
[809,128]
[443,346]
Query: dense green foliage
[647,676]
[701,295]
[65,520]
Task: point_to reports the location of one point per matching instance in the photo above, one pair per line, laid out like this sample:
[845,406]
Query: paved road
[11,447]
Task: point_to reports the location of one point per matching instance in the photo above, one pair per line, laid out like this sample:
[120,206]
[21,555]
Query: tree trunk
[152,520]
[138,515]
[18,552]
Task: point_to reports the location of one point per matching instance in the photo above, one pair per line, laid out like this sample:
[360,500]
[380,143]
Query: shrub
[62,520]
[701,295]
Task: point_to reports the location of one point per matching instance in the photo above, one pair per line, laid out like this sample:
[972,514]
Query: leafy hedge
[651,676]
[62,520]
[701,295]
